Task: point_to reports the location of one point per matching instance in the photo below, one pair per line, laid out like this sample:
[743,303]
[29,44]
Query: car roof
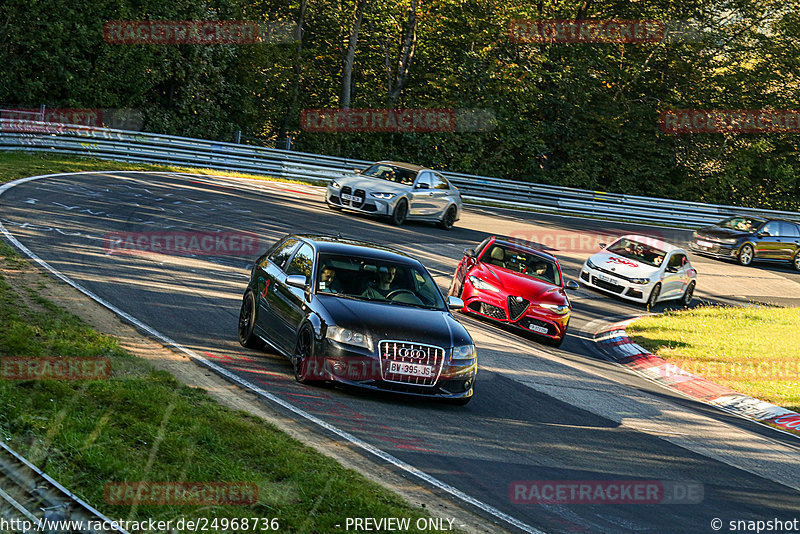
[329,244]
[524,247]
[409,166]
[652,241]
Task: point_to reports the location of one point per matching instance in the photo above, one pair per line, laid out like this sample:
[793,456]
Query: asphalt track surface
[539,414]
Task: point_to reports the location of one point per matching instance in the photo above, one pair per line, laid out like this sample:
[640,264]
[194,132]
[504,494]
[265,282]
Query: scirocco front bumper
[615,284]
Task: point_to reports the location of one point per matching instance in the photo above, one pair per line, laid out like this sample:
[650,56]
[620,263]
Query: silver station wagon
[399,191]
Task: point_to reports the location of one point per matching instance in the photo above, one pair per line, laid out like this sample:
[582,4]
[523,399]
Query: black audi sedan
[359,314]
[745,238]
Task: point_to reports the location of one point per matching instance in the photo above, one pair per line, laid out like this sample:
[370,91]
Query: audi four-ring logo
[410,353]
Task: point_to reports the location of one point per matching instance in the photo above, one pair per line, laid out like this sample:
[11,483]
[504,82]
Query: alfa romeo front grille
[419,356]
[516,307]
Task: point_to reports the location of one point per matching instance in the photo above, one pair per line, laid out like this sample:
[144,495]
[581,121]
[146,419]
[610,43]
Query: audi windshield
[383,281]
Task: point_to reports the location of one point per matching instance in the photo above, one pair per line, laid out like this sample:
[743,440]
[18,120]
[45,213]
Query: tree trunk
[350,57]
[406,57]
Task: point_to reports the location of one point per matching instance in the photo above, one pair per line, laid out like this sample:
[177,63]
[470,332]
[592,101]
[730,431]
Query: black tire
[652,300]
[303,354]
[449,218]
[247,322]
[796,261]
[400,212]
[746,255]
[686,299]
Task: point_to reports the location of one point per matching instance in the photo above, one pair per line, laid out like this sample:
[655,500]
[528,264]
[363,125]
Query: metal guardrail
[139,147]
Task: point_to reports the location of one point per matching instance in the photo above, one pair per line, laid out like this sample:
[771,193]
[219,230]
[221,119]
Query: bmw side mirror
[454,303]
[357,171]
[572,284]
[469,252]
[423,186]
[296,280]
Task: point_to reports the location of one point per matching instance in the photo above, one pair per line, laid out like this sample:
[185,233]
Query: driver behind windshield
[383,286]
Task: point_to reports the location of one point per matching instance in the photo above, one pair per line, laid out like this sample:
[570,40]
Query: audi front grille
[410,353]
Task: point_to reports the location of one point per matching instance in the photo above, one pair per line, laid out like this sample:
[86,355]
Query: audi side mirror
[296,280]
[572,284]
[454,303]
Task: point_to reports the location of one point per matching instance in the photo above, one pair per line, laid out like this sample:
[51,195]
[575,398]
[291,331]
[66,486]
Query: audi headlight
[589,264]
[640,280]
[464,352]
[349,337]
[559,309]
[335,184]
[482,284]
[383,196]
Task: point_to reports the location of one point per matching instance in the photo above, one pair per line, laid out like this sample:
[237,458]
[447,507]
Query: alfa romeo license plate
[537,328]
[411,369]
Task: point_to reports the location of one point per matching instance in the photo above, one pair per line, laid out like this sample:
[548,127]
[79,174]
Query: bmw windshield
[391,282]
[392,173]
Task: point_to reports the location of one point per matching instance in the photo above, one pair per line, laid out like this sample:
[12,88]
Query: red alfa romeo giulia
[516,285]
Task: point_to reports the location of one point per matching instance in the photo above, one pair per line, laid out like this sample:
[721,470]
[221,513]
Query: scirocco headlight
[559,309]
[335,184]
[383,196]
[589,264]
[640,280]
[349,337]
[482,284]
[464,352]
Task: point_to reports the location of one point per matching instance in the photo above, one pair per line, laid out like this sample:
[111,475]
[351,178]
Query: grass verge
[751,350]
[143,425]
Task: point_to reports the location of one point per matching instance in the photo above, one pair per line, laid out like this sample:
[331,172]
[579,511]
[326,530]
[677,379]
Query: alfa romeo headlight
[349,337]
[464,352]
[383,196]
[482,284]
[559,309]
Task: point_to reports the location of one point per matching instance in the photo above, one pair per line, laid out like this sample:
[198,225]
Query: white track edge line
[252,387]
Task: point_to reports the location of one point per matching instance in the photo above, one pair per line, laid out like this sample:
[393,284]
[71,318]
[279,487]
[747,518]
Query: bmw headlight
[383,196]
[640,280]
[559,309]
[349,337]
[477,283]
[464,352]
[335,184]
[589,264]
